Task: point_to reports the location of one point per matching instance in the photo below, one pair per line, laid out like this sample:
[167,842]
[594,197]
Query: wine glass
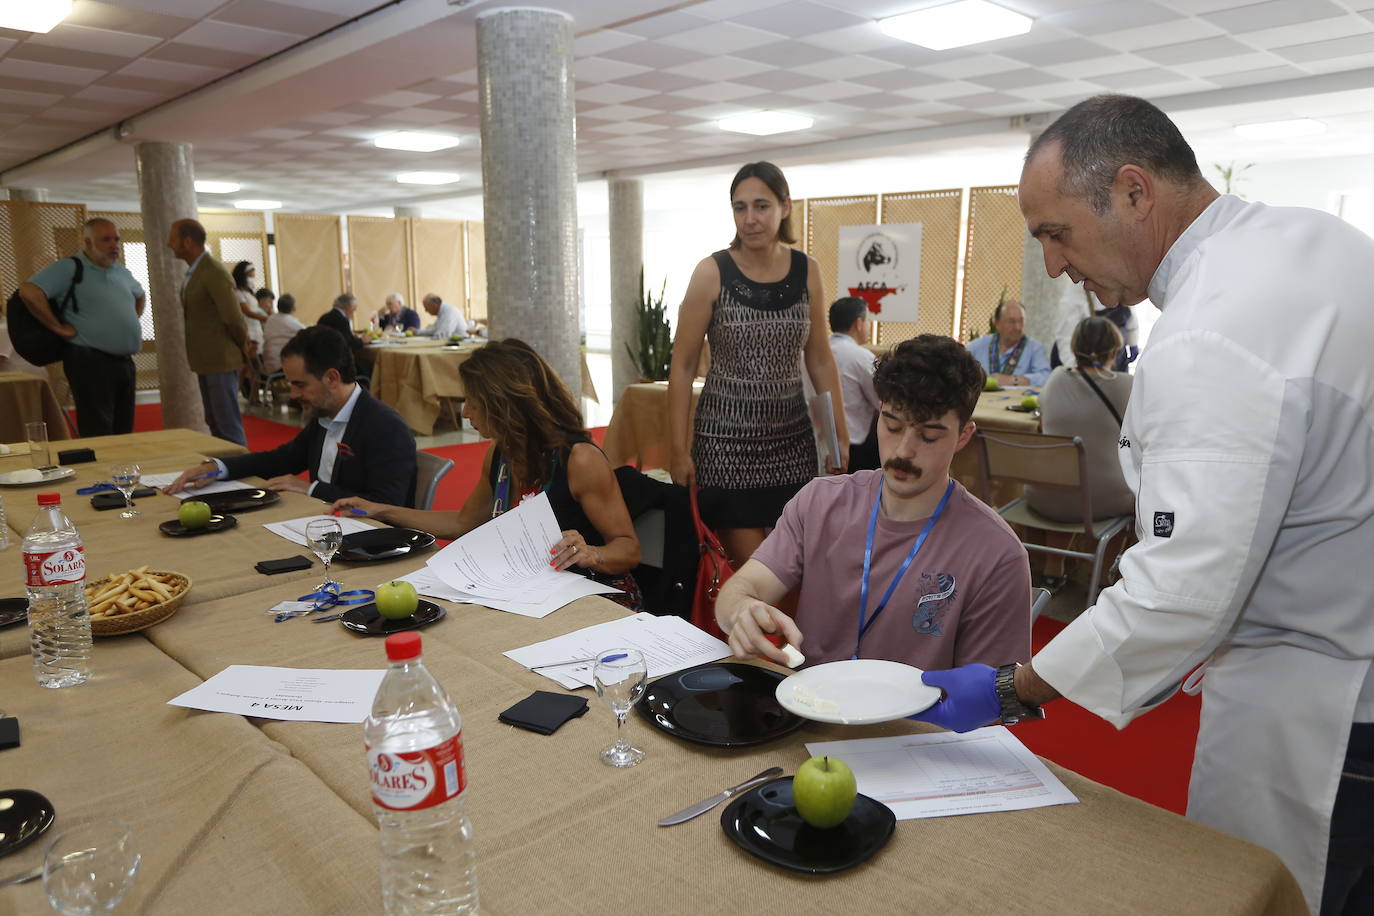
[325,537]
[125,478]
[90,868]
[619,676]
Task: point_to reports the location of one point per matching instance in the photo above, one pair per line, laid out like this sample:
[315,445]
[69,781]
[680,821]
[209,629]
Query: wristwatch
[1013,709]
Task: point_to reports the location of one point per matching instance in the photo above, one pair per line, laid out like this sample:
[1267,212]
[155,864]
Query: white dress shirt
[277,331]
[333,434]
[448,322]
[855,365]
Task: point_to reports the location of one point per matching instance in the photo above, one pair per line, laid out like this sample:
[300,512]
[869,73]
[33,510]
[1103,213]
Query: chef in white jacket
[1249,443]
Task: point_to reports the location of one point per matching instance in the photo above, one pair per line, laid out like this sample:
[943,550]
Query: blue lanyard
[868,561]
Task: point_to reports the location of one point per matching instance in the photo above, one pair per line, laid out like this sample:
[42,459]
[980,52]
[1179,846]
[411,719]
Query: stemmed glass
[125,478]
[619,676]
[325,537]
[91,868]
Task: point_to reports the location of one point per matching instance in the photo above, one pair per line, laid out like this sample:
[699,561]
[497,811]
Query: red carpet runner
[1149,760]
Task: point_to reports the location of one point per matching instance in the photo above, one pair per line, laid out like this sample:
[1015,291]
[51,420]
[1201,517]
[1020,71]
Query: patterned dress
[753,438]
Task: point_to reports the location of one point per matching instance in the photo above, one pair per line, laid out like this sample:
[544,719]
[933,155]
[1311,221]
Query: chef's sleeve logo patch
[1164,524]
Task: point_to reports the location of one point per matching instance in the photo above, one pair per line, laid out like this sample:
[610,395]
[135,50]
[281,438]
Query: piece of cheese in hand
[791,657]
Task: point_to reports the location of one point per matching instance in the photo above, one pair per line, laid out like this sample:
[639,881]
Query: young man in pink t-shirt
[964,596]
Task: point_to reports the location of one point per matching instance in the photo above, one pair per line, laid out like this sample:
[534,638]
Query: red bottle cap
[49,499]
[402,647]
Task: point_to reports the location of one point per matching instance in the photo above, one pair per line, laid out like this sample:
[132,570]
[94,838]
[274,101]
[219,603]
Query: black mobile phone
[9,733]
[104,501]
[286,564]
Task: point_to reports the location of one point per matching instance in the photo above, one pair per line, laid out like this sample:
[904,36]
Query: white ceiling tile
[77,115]
[1272,14]
[938,91]
[333,118]
[720,68]
[799,18]
[1198,7]
[429,116]
[1256,77]
[96,41]
[624,127]
[401,99]
[226,36]
[972,66]
[601,41]
[171,71]
[1203,49]
[858,39]
[721,37]
[617,113]
[106,94]
[1087,69]
[729,9]
[832,91]
[1329,50]
[612,93]
[1303,32]
[846,67]
[1238,63]
[1112,16]
[1058,90]
[716,92]
[187,9]
[669,23]
[603,70]
[1152,36]
[1058,52]
[50,73]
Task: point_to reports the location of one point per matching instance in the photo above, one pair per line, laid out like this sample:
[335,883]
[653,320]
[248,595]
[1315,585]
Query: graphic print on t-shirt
[937,594]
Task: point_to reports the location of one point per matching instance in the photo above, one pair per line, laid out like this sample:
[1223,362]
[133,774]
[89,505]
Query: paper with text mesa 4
[943,774]
[159,481]
[294,694]
[669,644]
[294,530]
[505,563]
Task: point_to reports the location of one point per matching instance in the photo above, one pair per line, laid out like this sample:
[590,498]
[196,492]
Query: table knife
[706,804]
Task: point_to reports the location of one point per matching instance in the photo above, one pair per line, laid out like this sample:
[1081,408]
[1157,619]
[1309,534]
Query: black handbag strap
[70,298]
[1098,391]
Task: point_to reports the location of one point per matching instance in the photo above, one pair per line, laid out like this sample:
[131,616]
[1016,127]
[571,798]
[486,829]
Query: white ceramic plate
[860,691]
[12,480]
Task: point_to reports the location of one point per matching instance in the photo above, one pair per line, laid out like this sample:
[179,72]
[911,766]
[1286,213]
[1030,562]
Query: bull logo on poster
[882,266]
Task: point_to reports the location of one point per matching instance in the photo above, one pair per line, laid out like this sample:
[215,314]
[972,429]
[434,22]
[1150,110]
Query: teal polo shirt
[106,319]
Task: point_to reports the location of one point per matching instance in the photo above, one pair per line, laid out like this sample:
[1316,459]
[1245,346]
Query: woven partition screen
[996,241]
[310,259]
[477,272]
[824,217]
[938,213]
[238,235]
[33,235]
[437,246]
[379,259]
[799,223]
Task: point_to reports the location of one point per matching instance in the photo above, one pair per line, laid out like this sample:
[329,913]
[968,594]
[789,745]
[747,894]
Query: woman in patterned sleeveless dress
[539,445]
[760,303]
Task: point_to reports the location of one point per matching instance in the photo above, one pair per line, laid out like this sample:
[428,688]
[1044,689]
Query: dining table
[416,374]
[236,814]
[26,398]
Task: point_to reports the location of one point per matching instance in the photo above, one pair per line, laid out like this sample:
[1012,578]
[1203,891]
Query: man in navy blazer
[353,445]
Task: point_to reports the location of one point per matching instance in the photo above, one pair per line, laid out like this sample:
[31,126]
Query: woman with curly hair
[539,444]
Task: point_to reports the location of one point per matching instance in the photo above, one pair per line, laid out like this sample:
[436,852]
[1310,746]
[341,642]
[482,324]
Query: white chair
[1039,598]
[1058,461]
[429,470]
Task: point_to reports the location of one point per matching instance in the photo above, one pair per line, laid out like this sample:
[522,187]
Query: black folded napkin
[544,712]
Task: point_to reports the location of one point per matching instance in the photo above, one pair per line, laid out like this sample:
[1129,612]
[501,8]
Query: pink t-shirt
[965,598]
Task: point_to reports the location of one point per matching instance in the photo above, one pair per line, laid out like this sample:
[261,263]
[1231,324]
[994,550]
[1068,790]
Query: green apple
[824,791]
[194,514]
[1030,402]
[397,600]
[991,384]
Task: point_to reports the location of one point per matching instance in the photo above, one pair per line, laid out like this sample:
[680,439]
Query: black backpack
[30,337]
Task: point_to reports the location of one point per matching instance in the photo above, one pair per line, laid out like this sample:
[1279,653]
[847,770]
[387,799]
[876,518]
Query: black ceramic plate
[765,822]
[13,611]
[723,705]
[365,619]
[383,544]
[176,529]
[245,500]
[24,815]
[1019,409]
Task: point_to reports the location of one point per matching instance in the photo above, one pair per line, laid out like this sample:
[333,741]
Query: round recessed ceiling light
[415,141]
[427,177]
[764,123]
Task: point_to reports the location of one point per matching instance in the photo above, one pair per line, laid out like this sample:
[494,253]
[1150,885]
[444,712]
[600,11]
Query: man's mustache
[901,464]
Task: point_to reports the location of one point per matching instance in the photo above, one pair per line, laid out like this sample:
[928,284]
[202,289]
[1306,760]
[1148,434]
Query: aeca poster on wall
[882,266]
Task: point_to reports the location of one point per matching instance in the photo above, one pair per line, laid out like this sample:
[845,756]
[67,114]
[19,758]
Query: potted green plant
[653,349]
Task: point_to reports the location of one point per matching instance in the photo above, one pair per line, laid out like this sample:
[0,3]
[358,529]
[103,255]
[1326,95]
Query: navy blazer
[338,321]
[376,457]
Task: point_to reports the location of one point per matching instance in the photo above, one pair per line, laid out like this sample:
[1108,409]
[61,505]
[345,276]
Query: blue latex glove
[970,698]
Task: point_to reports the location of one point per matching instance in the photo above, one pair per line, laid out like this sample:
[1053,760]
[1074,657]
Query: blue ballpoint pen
[215,473]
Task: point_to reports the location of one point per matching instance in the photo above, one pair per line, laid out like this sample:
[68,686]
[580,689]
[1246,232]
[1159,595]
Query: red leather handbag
[712,570]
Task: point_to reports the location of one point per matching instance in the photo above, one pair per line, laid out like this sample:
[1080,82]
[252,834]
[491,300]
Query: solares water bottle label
[60,567]
[418,779]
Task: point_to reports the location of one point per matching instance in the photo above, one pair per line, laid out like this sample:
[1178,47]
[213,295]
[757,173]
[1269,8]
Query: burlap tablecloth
[25,399]
[225,820]
[638,431]
[413,376]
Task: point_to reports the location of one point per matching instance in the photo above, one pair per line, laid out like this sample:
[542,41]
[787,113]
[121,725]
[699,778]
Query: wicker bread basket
[141,620]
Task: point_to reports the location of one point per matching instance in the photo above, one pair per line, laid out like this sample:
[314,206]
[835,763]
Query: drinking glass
[37,433]
[125,478]
[619,676]
[90,868]
[325,537]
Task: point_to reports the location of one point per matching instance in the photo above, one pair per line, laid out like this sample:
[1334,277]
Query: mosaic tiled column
[529,182]
[34,194]
[627,261]
[167,193]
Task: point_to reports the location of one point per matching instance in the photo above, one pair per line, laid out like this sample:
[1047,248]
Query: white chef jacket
[1249,443]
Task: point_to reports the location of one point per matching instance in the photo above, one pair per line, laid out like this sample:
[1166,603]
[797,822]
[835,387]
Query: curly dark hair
[928,376]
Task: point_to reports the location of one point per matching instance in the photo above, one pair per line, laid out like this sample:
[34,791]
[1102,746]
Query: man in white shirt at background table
[449,323]
[848,333]
[1249,445]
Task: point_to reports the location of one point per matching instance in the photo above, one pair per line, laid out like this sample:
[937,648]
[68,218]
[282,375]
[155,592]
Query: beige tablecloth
[25,399]
[414,376]
[232,824]
[638,431]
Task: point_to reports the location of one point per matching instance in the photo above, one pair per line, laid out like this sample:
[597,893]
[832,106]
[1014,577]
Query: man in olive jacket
[215,332]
